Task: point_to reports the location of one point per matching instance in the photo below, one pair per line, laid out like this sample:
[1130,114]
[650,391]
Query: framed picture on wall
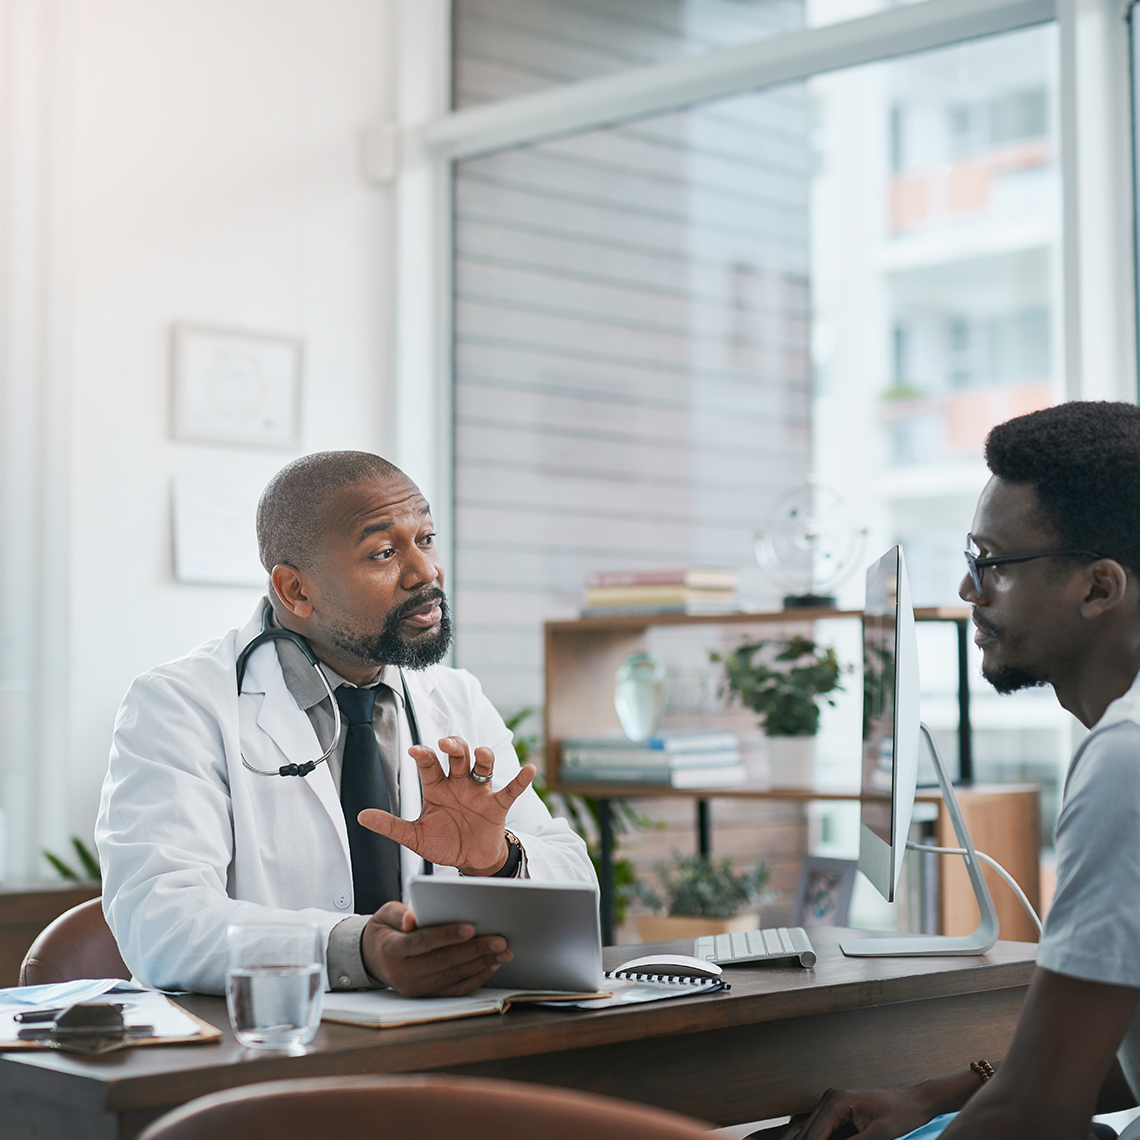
[215,531]
[236,387]
[823,892]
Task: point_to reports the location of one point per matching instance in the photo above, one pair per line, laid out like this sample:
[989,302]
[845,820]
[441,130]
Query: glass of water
[274,983]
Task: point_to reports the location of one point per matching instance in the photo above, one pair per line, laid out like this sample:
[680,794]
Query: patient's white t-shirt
[1092,930]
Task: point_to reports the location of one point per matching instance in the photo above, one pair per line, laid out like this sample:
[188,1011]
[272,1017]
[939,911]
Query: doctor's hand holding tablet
[461,825]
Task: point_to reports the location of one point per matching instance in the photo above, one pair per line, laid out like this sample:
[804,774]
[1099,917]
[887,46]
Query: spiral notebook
[630,988]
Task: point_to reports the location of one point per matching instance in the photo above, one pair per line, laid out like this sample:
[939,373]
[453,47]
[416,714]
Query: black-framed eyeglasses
[977,564]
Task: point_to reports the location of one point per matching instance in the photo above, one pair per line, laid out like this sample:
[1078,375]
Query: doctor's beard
[391,647]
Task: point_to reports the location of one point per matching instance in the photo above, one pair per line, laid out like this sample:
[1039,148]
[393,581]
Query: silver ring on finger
[479,779]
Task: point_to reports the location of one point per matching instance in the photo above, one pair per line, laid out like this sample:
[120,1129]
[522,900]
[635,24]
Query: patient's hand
[870,1114]
[440,961]
[461,822]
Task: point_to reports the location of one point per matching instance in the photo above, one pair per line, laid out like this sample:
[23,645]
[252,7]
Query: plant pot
[658,928]
[791,761]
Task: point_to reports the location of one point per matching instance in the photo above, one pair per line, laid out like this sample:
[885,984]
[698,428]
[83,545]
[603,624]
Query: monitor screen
[880,628]
[890,722]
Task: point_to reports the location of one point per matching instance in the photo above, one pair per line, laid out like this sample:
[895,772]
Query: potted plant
[783,680]
[583,813]
[702,896]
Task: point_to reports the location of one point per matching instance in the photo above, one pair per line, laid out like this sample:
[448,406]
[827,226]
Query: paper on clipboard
[173,1025]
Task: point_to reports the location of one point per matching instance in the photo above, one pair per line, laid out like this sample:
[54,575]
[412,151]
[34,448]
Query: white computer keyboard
[768,945]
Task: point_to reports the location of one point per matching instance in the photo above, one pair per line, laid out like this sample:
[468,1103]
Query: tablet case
[551,928]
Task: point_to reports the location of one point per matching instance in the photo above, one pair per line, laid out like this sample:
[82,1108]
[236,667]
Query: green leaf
[87,860]
[787,698]
[62,869]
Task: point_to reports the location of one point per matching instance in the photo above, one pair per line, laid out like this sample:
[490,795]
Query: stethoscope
[276,633]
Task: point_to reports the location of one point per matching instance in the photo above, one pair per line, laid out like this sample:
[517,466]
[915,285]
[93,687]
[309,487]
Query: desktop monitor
[890,722]
[891,731]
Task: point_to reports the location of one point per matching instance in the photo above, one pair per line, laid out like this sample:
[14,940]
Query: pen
[38,1015]
[33,1015]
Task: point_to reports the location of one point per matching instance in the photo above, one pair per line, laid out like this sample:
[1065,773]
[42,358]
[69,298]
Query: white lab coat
[190,840]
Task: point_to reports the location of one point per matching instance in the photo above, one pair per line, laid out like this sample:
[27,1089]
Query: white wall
[192,160]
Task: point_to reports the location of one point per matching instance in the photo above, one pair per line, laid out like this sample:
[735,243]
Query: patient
[1052,579]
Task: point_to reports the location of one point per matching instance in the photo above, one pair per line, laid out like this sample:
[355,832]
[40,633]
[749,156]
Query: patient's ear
[292,588]
[1107,585]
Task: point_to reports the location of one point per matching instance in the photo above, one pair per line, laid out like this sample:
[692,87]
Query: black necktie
[375,858]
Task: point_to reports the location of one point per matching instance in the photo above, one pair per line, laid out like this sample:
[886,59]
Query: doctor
[196,827]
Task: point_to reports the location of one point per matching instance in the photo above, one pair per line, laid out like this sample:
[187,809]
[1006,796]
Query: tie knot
[356,705]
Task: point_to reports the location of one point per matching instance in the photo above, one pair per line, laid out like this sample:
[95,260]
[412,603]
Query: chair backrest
[416,1108]
[78,944]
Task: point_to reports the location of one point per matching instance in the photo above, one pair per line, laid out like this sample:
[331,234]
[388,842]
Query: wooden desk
[770,1046]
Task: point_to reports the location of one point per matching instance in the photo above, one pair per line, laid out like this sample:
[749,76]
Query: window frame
[1095,119]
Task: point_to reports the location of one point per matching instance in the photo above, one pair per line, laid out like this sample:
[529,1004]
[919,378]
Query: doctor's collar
[305,687]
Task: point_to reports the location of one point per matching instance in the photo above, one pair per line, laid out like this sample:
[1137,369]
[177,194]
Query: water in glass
[275,983]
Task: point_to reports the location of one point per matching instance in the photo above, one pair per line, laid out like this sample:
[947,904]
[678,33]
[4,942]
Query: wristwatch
[510,868]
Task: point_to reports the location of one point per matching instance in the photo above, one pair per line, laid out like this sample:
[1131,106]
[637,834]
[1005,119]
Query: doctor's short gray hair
[289,513]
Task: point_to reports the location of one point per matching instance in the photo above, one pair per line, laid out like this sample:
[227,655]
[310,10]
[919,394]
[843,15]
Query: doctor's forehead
[376,504]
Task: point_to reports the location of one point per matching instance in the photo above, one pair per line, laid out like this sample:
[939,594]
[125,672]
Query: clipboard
[174,1025]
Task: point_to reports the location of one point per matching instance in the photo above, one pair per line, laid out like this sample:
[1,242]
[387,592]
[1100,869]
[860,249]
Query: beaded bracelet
[983,1068]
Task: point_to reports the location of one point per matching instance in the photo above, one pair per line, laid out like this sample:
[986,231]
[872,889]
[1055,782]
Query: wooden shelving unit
[582,657]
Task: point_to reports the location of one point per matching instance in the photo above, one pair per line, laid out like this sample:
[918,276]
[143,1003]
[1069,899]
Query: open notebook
[383,1009]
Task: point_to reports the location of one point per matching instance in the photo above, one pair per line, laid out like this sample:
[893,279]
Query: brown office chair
[416,1108]
[78,944]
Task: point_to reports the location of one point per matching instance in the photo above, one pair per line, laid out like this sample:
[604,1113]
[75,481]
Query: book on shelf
[598,597]
[693,591]
[697,577]
[702,609]
[602,758]
[670,741]
[722,776]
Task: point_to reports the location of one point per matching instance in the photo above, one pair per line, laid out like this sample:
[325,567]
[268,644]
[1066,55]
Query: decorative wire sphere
[810,544]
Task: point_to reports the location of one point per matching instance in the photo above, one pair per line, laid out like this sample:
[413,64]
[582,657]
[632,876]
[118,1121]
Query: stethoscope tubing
[269,633]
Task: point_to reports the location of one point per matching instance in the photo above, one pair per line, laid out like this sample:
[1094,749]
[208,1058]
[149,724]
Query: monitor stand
[939,945]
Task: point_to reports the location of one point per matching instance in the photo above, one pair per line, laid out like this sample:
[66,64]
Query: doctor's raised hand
[461,825]
[462,822]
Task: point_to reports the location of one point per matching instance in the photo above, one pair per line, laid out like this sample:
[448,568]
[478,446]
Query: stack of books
[683,759]
[698,591]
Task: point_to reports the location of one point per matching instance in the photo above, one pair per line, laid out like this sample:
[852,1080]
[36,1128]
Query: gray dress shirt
[345,962]
[346,968]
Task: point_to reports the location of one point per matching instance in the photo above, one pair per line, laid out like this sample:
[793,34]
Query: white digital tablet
[551,928]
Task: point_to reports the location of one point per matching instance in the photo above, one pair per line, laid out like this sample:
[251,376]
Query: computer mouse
[675,965]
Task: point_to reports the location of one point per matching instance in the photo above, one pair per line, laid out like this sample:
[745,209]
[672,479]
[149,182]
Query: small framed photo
[236,387]
[823,892]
